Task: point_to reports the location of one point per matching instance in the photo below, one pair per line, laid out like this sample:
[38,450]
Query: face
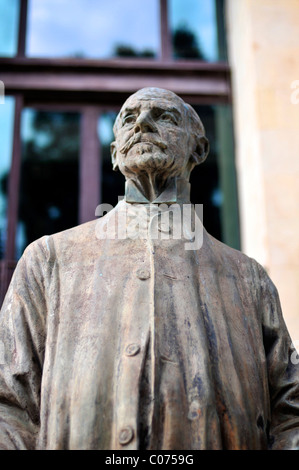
[152,135]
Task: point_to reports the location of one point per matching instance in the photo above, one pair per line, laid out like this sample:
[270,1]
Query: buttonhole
[260,422]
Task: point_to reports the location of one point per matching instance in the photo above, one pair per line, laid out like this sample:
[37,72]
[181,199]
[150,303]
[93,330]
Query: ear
[201,149]
[113,151]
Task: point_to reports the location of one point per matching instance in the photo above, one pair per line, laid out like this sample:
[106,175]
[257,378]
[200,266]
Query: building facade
[263,43]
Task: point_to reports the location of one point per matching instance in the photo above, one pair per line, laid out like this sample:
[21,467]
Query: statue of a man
[115,339]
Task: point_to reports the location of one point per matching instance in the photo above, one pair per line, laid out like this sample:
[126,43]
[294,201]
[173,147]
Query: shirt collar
[177,191]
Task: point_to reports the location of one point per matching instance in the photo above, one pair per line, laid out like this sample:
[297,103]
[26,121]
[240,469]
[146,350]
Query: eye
[168,117]
[129,119]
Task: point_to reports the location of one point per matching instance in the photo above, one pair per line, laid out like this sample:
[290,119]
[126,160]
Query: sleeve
[22,344]
[283,370]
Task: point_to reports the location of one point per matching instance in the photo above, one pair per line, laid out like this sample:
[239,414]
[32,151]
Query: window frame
[91,86]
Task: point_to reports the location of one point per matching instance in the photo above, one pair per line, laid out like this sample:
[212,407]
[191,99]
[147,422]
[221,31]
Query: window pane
[213,183]
[9,24]
[227,175]
[113,182]
[6,139]
[49,174]
[93,28]
[197,28]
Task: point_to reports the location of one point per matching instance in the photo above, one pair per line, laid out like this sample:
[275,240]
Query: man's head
[157,132]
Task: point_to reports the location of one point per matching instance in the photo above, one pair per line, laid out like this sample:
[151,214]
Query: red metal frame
[164,32]
[22,28]
[90,164]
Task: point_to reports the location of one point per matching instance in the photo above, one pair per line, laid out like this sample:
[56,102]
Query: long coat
[129,344]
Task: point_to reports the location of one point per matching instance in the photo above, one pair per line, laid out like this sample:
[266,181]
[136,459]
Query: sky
[200,17]
[9,18]
[6,132]
[94,27]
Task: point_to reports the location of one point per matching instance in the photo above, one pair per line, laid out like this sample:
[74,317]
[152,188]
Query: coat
[129,344]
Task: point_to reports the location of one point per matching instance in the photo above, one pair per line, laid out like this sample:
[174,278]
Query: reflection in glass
[113,182]
[213,183]
[197,29]
[6,139]
[97,28]
[9,24]
[49,175]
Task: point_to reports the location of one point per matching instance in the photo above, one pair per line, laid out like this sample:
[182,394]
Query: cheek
[123,137]
[177,141]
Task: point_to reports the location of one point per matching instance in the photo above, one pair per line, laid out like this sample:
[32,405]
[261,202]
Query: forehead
[145,101]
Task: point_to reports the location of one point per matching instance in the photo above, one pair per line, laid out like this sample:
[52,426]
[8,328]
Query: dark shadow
[185,45]
[205,184]
[123,50]
[3,191]
[49,175]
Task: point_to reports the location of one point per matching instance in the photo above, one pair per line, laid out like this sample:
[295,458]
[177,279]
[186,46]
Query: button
[194,410]
[125,435]
[164,228]
[132,349]
[143,274]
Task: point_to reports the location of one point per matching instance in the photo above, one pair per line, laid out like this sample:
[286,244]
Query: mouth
[140,139]
[145,143]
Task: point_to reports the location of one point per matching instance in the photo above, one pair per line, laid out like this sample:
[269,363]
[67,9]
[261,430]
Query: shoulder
[244,271]
[74,236]
[225,252]
[233,260]
[48,247]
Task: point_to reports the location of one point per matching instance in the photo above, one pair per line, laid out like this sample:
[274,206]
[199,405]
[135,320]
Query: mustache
[139,137]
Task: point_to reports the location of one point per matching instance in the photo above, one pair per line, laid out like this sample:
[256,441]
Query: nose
[144,123]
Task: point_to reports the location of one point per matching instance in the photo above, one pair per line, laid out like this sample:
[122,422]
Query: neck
[151,185]
[172,190]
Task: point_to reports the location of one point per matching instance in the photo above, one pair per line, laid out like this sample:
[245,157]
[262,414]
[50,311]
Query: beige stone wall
[263,45]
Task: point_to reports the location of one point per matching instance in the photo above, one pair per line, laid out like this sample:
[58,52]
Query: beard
[150,158]
[147,155]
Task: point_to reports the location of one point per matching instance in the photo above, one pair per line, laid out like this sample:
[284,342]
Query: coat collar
[177,191]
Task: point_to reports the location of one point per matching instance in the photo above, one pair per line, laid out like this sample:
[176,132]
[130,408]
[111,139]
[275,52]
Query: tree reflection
[49,175]
[123,50]
[3,213]
[185,44]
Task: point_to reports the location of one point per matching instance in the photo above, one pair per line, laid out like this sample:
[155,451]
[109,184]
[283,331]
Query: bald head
[151,94]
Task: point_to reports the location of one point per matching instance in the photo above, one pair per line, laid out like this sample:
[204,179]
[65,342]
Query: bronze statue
[116,339]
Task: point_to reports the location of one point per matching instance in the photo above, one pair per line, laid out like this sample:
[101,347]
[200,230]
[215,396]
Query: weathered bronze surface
[112,338]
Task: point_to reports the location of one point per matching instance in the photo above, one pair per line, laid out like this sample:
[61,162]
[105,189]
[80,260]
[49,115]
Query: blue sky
[92,27]
[200,17]
[58,28]
[95,27]
[6,128]
[9,18]
[6,133]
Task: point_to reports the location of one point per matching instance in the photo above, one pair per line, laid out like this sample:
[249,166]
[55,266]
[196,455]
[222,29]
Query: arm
[283,372]
[22,342]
